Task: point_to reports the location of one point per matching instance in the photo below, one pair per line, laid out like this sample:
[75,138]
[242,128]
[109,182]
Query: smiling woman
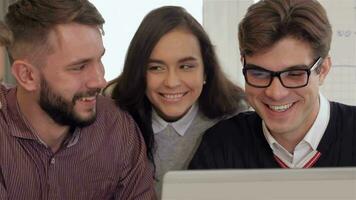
[173,86]
[175,74]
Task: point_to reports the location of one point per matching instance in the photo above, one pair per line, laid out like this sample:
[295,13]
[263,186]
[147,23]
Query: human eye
[295,73]
[77,67]
[155,68]
[257,73]
[187,66]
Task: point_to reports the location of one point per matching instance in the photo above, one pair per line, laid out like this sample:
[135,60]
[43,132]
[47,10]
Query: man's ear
[324,69]
[26,75]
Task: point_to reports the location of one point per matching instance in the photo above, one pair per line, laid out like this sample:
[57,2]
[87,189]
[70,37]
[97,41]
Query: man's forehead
[280,62]
[72,42]
[57,35]
[64,33]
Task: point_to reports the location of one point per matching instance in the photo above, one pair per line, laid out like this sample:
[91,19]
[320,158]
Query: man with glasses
[284,47]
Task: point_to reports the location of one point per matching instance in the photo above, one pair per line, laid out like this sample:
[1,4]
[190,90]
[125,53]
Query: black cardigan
[239,142]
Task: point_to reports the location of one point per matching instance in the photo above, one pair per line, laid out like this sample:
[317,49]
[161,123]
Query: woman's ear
[25,74]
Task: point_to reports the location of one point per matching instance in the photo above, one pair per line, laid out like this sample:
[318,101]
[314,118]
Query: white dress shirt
[306,148]
[180,126]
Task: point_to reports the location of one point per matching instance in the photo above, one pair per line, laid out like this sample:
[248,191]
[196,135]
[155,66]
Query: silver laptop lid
[283,184]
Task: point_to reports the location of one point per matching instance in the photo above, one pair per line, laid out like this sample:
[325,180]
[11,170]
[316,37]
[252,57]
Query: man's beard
[62,111]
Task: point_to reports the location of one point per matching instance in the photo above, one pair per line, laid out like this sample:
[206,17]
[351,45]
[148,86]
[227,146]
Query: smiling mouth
[173,97]
[88,96]
[86,99]
[280,108]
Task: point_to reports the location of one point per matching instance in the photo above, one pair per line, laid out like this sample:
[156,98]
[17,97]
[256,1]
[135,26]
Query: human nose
[172,79]
[96,77]
[276,90]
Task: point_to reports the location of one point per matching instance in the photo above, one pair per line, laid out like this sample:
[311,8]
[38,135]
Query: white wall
[122,20]
[340,83]
[221,19]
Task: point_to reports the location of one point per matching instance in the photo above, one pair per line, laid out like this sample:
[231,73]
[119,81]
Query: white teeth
[173,96]
[280,108]
[87,98]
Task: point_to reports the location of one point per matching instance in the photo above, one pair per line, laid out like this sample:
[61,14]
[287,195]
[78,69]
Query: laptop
[265,184]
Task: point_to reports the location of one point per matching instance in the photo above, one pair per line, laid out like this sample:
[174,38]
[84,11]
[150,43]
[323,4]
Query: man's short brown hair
[268,21]
[31,21]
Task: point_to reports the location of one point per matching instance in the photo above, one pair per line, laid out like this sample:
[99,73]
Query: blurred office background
[220,18]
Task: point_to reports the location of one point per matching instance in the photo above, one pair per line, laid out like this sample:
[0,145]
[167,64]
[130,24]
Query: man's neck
[50,132]
[291,139]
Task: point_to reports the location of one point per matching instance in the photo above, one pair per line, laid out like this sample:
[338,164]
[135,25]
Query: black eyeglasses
[291,78]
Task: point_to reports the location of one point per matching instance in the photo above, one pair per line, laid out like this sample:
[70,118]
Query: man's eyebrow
[78,62]
[297,67]
[83,60]
[247,65]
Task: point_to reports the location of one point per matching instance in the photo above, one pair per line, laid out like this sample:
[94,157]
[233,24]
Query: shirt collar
[315,133]
[23,129]
[18,124]
[181,125]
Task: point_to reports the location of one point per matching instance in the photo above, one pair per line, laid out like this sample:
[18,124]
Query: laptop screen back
[283,184]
